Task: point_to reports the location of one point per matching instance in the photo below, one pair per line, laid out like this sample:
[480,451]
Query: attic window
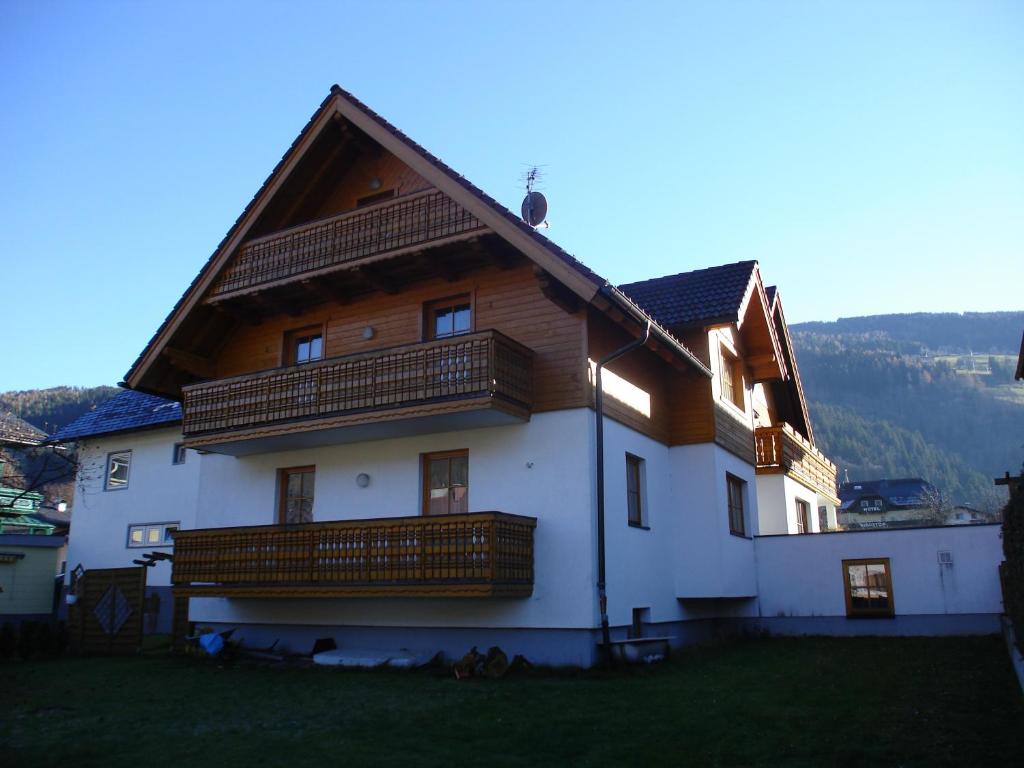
[304,345]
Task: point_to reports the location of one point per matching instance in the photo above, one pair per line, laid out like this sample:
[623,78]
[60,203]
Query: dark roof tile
[701,297]
[125,412]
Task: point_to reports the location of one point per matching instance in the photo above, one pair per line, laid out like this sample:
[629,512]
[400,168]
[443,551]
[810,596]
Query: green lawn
[806,702]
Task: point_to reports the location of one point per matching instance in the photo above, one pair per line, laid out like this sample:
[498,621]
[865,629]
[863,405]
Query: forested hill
[51,409]
[910,395]
[940,332]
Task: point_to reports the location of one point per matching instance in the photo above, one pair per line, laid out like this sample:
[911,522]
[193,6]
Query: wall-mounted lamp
[368,332]
[362,479]
[374,183]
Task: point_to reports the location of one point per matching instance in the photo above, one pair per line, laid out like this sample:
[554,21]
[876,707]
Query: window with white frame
[118,464]
[152,534]
[179,454]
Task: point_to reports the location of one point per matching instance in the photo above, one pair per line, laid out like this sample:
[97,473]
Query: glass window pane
[153,535]
[462,318]
[444,322]
[136,535]
[169,533]
[302,351]
[308,479]
[117,476]
[316,348]
[294,484]
[438,474]
[460,471]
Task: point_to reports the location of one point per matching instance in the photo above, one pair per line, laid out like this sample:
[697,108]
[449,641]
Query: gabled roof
[701,297]
[127,411]
[789,394]
[16,431]
[548,256]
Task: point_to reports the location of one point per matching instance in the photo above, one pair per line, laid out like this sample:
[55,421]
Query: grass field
[800,702]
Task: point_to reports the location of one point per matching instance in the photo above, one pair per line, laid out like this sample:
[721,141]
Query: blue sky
[869,154]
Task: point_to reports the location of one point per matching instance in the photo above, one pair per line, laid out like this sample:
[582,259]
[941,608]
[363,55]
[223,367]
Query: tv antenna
[535,206]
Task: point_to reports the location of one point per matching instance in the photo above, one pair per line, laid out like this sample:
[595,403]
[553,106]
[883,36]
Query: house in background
[136,485]
[389,383]
[889,503]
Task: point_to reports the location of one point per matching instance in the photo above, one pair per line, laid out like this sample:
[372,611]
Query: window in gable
[448,317]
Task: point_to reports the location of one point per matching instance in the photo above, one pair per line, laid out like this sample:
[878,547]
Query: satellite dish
[535,208]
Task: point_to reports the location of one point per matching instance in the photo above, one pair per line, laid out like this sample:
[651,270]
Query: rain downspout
[602,596]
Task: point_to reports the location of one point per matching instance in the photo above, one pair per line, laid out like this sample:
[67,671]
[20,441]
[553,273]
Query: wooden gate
[107,615]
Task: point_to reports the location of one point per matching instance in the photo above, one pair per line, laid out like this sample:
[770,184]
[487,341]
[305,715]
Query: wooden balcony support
[486,368]
[480,554]
[782,450]
[403,225]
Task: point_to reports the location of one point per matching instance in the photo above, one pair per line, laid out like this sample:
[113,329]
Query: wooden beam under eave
[189,362]
[377,280]
[237,311]
[556,293]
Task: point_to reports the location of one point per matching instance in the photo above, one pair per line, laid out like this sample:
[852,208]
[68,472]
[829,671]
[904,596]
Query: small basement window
[868,588]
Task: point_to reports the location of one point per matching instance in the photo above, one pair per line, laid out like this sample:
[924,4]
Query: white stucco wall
[777,495]
[710,562]
[542,469]
[158,491]
[803,575]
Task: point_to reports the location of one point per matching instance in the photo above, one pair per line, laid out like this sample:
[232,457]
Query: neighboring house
[889,503]
[388,381]
[16,432]
[136,485]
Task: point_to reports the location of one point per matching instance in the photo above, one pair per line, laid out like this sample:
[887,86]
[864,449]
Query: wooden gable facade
[354,240]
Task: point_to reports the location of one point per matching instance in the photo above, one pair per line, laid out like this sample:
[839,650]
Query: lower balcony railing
[478,554]
[780,449]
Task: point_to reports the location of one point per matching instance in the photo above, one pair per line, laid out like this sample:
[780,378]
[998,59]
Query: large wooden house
[391,380]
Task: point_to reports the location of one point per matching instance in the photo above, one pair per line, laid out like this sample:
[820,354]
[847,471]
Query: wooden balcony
[485,373]
[404,224]
[480,554]
[780,449]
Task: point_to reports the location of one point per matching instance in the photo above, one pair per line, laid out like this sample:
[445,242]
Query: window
[446,483]
[732,380]
[117,470]
[634,490]
[152,535]
[803,516]
[448,317]
[295,504]
[737,516]
[868,588]
[178,457]
[304,345]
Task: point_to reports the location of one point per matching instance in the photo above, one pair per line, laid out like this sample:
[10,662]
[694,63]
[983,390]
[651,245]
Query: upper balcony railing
[476,554]
[408,221]
[781,449]
[484,364]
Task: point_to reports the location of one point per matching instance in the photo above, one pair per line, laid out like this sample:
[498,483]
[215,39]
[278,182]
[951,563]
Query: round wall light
[362,479]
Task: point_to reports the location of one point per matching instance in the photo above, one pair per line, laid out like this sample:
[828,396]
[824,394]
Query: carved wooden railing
[484,364]
[405,222]
[474,554]
[780,449]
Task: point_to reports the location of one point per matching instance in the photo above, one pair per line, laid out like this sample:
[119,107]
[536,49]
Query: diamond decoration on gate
[112,610]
